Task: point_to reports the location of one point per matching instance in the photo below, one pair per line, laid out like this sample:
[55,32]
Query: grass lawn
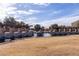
[43,46]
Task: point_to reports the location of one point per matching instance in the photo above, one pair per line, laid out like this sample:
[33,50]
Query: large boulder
[52,33]
[58,33]
[30,33]
[24,34]
[9,35]
[27,33]
[2,38]
[40,34]
[18,34]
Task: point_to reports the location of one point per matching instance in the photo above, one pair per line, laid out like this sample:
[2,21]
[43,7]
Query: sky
[41,13]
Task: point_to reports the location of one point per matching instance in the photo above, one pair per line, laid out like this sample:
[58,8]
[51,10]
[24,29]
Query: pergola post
[53,30]
[70,30]
[1,30]
[76,29]
[59,30]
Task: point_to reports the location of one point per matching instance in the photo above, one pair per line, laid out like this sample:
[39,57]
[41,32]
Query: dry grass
[48,46]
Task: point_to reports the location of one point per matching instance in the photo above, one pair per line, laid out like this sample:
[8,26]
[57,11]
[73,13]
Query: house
[75,24]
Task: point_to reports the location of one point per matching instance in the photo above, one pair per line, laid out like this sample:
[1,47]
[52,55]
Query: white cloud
[33,11]
[11,8]
[61,21]
[5,8]
[23,12]
[4,5]
[11,12]
[75,12]
[56,12]
[19,20]
[31,20]
[42,4]
[28,12]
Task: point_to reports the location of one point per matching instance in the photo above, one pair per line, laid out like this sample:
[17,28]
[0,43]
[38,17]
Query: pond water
[45,35]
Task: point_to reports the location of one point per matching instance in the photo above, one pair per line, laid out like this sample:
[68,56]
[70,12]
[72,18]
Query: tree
[18,25]
[37,27]
[22,24]
[54,26]
[62,26]
[27,26]
[9,21]
[42,28]
[1,24]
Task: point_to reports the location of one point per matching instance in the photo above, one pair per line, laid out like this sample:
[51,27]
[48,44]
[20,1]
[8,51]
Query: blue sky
[41,13]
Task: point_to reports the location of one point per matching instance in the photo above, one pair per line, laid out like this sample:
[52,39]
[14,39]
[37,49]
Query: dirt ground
[43,46]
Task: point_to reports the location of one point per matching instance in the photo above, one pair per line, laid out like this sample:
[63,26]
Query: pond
[45,35]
